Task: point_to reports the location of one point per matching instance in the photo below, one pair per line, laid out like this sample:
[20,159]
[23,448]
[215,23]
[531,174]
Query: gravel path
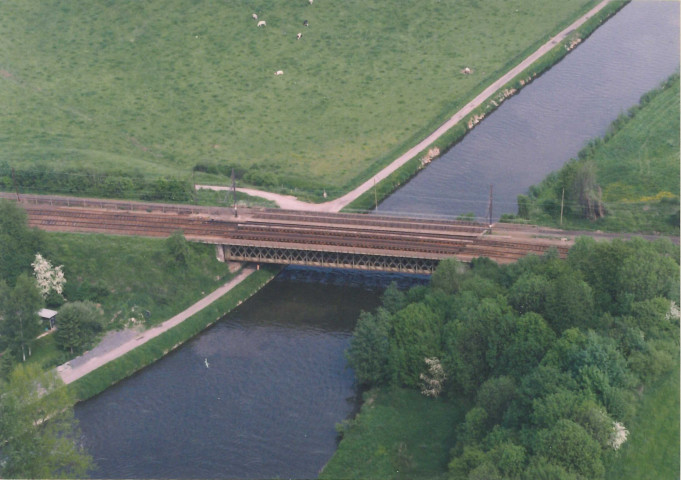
[116,344]
[290,202]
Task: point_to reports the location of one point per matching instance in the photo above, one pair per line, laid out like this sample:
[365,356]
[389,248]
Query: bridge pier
[220,253]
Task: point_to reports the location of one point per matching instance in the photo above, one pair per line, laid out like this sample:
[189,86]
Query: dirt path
[116,344]
[290,202]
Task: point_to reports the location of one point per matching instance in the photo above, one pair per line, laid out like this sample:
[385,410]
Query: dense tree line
[549,353]
[38,438]
[45,179]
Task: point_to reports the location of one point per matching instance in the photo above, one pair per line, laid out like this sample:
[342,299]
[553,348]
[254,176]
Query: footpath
[290,202]
[116,344]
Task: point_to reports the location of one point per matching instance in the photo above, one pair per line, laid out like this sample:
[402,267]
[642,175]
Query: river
[258,394]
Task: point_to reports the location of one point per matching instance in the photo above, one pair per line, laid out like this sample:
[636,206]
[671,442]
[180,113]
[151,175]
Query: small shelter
[49,316]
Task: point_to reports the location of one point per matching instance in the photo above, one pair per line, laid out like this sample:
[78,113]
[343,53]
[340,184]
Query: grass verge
[399,433]
[116,370]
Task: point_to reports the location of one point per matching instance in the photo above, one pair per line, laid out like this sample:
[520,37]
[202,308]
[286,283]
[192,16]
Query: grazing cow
[467,71]
[262,23]
[278,72]
[299,36]
[304,23]
[255,16]
[311,1]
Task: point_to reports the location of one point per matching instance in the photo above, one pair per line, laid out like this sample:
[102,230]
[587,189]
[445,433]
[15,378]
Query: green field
[652,450]
[157,88]
[398,434]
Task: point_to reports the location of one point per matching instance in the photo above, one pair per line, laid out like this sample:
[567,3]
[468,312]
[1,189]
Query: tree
[530,340]
[416,334]
[78,323]
[495,395]
[20,323]
[369,351]
[178,248]
[38,433]
[49,278]
[571,447]
[586,192]
[528,293]
[18,243]
[569,303]
[393,298]
[448,275]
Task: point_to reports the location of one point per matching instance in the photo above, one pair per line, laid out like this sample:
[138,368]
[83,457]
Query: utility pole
[562,199]
[234,192]
[489,208]
[14,180]
[375,195]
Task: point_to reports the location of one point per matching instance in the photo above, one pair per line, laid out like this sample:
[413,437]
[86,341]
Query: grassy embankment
[140,89]
[398,433]
[652,450]
[146,354]
[453,136]
[636,166]
[135,277]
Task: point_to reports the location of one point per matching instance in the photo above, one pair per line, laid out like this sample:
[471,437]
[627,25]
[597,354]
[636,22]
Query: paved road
[117,344]
[292,203]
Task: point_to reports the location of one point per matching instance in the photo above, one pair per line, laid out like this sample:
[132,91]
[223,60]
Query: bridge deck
[279,236]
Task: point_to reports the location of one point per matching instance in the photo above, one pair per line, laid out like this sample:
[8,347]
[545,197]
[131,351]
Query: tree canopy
[549,353]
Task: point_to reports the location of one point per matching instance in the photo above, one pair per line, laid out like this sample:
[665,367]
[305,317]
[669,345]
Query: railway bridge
[345,240]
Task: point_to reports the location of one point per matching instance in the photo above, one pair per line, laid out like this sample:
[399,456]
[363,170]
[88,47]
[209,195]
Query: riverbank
[399,171]
[88,376]
[634,168]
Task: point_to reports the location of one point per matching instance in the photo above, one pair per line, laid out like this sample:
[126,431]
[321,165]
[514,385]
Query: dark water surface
[268,401]
[549,121]
[276,381]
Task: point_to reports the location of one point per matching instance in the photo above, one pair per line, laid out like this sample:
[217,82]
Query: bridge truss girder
[320,258]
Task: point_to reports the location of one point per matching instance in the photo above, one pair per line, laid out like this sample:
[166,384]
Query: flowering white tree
[431,382]
[618,435]
[48,277]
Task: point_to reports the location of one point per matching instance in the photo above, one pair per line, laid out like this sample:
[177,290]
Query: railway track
[355,233]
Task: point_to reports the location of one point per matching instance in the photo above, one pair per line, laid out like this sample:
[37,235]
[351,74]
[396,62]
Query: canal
[258,394]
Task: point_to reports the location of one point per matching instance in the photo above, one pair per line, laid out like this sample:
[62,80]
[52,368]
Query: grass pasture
[159,87]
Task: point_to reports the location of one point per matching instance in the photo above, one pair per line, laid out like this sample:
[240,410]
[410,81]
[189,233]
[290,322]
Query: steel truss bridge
[343,240]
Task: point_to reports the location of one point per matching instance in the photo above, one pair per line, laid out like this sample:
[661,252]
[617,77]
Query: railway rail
[363,241]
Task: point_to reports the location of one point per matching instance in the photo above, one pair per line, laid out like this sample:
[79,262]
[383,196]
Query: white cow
[311,1]
[262,23]
[255,16]
[278,72]
[299,36]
